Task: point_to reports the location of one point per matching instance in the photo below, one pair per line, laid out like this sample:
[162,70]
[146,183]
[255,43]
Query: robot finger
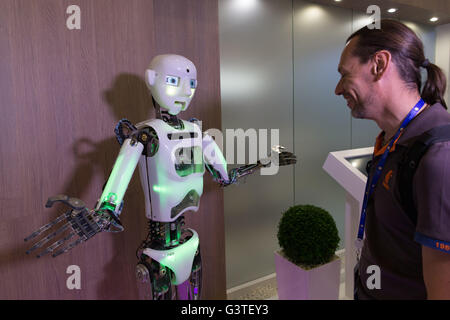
[288,162]
[47,238]
[69,247]
[47,226]
[56,244]
[287,154]
[74,203]
[288,159]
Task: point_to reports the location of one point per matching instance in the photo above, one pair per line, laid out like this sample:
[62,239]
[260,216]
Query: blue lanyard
[370,185]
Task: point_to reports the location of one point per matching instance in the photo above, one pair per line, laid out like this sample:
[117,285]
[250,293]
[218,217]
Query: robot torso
[172,179]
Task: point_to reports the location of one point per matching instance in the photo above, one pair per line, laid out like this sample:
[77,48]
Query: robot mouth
[183,104]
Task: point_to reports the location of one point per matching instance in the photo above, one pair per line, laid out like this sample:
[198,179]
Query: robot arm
[85,223]
[133,143]
[214,160]
[117,184]
[217,166]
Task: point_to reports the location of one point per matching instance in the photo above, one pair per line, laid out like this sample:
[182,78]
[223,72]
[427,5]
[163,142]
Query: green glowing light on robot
[111,198]
[159,189]
[122,172]
[171,91]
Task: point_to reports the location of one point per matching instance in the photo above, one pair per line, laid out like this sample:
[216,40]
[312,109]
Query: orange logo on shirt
[386,180]
[442,246]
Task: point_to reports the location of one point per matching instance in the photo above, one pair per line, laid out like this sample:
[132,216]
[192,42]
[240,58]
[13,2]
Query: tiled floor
[269,292]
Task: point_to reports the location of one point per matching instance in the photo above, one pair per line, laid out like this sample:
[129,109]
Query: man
[381,81]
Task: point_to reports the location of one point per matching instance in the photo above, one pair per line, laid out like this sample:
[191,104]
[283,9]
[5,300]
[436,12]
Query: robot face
[172,80]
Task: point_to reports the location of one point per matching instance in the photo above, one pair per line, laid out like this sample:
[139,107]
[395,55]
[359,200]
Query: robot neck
[172,120]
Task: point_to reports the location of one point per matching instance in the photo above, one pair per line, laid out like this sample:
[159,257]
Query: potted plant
[306,266]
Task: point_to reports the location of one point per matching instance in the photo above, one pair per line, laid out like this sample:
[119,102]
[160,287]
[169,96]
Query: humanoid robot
[172,155]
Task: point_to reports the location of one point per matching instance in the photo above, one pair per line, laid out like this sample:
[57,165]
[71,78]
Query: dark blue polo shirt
[392,241]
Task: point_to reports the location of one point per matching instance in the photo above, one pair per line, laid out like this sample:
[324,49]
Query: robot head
[172,80]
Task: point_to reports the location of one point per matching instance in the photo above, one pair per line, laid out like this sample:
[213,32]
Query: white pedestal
[339,166]
[296,283]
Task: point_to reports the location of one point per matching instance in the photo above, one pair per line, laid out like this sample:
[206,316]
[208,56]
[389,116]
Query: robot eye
[173,81]
[193,83]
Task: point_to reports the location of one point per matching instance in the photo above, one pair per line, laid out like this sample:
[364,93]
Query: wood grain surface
[61,93]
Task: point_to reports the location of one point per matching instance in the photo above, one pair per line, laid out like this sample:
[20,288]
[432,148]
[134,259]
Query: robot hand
[79,220]
[279,157]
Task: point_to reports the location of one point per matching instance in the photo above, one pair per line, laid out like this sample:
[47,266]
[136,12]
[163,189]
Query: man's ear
[381,62]
[150,76]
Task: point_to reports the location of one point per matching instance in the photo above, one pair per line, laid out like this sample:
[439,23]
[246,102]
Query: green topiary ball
[308,235]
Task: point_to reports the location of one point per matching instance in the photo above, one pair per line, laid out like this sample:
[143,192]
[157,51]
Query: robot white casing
[170,192]
[172,179]
[171,176]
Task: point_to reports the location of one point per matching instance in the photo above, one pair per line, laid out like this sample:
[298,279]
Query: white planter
[295,283]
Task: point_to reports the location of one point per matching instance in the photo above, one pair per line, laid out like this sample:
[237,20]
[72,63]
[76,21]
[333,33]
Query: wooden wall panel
[61,93]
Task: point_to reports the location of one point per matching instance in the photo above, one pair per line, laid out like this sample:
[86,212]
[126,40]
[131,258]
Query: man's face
[355,83]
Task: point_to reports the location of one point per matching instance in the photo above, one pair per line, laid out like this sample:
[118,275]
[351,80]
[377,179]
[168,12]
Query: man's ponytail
[434,89]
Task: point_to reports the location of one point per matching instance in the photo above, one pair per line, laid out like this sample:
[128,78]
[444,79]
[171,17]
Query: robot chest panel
[180,153]
[188,160]
[180,159]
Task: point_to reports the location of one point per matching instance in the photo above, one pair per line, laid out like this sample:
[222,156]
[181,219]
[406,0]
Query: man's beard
[360,110]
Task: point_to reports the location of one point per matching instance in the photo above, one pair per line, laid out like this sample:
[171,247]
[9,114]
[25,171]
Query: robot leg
[154,280]
[191,288]
[196,277]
